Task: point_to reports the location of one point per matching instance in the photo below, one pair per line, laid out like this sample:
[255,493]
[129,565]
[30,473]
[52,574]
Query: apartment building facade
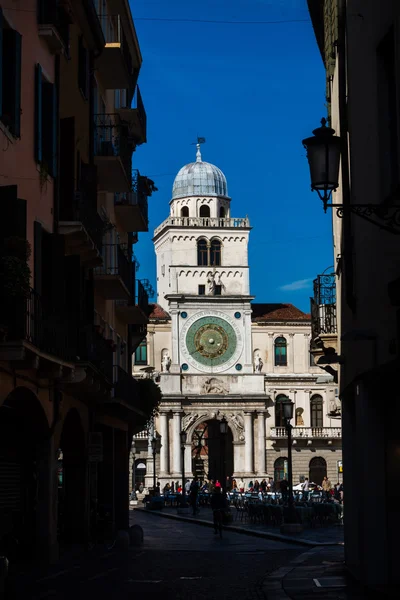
[72,309]
[359,44]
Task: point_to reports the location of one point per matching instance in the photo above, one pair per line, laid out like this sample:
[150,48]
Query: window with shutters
[45,123]
[141,354]
[280,352]
[10,77]
[83,69]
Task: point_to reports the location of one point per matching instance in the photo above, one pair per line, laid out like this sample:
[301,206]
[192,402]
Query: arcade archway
[24,435]
[212,451]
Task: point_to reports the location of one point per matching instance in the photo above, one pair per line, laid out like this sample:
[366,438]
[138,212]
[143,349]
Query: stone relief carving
[214,386]
[188,420]
[258,363]
[237,420]
[210,283]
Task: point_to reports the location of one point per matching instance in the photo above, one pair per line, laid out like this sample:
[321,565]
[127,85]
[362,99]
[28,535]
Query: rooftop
[278,312]
[157,312]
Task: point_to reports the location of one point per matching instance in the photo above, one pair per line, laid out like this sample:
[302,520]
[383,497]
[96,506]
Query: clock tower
[207,373]
[203,274]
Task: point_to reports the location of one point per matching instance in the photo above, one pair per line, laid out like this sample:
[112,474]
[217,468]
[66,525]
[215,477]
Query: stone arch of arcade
[72,479]
[212,453]
[24,459]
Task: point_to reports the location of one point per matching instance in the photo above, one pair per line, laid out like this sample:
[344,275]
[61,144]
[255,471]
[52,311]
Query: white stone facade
[245,387]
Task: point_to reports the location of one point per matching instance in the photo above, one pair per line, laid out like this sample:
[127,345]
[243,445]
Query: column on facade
[291,353]
[270,353]
[261,442]
[248,449]
[164,443]
[176,442]
[307,338]
[175,366]
[188,461]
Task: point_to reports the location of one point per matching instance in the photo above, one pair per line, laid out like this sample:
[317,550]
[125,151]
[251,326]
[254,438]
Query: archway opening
[184,211]
[24,448]
[71,480]
[204,211]
[139,474]
[318,470]
[212,452]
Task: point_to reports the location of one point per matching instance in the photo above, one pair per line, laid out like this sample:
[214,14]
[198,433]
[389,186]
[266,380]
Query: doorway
[317,470]
[212,451]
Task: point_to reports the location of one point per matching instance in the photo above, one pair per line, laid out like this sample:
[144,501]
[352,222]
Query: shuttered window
[83,69]
[45,123]
[10,77]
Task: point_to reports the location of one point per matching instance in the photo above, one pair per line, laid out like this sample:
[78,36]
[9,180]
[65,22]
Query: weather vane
[200,140]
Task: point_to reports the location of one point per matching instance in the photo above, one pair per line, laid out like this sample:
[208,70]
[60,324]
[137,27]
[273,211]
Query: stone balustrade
[142,435]
[307,432]
[203,222]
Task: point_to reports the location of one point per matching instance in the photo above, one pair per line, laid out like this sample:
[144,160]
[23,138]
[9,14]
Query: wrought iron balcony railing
[95,349]
[111,139]
[26,319]
[82,209]
[114,34]
[307,432]
[117,260]
[323,305]
[50,13]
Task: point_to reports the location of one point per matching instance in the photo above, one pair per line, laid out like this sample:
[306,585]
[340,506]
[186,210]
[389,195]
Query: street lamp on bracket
[323,154]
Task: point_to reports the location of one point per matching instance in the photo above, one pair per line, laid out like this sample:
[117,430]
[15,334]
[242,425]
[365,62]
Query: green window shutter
[18,56]
[11,109]
[38,114]
[1,61]
[37,256]
[53,142]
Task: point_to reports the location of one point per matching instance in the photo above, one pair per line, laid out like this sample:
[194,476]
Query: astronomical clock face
[211,341]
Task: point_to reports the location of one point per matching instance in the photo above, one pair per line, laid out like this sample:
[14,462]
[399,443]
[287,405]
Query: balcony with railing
[126,396]
[135,117]
[53,25]
[28,329]
[112,153]
[307,433]
[113,279]
[115,65]
[323,314]
[131,208]
[82,227]
[135,310]
[204,222]
[96,351]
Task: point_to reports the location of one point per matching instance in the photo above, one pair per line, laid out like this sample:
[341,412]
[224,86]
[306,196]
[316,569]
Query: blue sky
[254,92]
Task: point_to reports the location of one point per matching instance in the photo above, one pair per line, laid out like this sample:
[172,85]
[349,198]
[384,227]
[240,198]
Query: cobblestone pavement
[176,561]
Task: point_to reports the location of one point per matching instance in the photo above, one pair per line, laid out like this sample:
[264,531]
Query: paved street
[177,560]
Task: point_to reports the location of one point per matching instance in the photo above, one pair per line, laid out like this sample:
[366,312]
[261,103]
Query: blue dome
[199,179]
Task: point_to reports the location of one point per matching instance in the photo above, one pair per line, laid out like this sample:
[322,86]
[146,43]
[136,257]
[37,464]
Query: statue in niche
[210,283]
[165,361]
[334,406]
[214,386]
[258,363]
[237,420]
[188,420]
[299,417]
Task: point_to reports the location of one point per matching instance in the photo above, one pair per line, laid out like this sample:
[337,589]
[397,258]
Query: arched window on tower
[202,253]
[215,253]
[204,211]
[222,213]
[184,211]
[280,352]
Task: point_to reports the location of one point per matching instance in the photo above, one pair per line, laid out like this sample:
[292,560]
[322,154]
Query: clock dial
[211,341]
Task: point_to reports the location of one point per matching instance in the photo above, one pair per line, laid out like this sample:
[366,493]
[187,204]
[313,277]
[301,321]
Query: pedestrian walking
[193,495]
[306,488]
